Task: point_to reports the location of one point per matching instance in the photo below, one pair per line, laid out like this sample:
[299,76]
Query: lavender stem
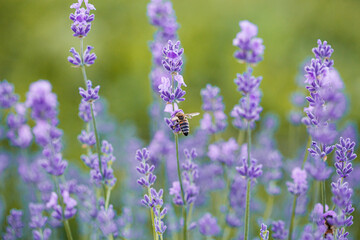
[247,209]
[152,219]
[181,185]
[98,149]
[295,197]
[292,218]
[66,223]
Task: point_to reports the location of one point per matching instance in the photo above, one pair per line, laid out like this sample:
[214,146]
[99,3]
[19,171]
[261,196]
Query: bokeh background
[36,37]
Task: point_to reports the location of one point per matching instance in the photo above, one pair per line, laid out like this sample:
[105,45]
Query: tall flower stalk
[43,104]
[248,110]
[153,199]
[101,172]
[172,93]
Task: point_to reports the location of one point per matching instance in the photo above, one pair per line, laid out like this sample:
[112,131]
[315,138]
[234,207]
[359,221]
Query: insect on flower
[182,119]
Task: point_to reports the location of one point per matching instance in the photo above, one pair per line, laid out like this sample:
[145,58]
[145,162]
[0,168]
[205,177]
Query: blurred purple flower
[37,222]
[250,47]
[15,225]
[214,120]
[299,185]
[246,82]
[42,101]
[224,152]
[106,219]
[208,225]
[7,96]
[278,230]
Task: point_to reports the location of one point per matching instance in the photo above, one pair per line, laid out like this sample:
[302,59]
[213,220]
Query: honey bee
[182,119]
[330,228]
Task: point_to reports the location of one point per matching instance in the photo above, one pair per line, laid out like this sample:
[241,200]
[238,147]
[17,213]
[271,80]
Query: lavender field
[119,122]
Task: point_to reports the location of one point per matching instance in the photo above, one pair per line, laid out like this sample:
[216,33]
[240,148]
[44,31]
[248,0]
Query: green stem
[178,168]
[247,209]
[152,218]
[185,222]
[67,229]
[98,149]
[323,201]
[181,185]
[292,218]
[66,223]
[108,194]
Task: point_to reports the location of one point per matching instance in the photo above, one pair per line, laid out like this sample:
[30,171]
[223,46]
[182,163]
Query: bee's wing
[190,115]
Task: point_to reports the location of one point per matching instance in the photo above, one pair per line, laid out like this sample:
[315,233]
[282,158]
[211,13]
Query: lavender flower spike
[208,225]
[14,230]
[7,96]
[250,47]
[90,94]
[299,186]
[172,57]
[81,18]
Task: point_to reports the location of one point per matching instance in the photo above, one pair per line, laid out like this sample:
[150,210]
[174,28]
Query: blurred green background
[36,36]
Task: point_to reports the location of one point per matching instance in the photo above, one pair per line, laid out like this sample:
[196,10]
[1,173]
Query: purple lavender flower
[19,132]
[278,230]
[299,186]
[190,176]
[318,169]
[85,111]
[224,152]
[327,103]
[250,47]
[246,82]
[87,138]
[264,233]
[248,108]
[253,171]
[214,120]
[107,158]
[69,202]
[344,155]
[106,221]
[208,225]
[81,18]
[15,226]
[90,94]
[323,52]
[75,59]
[166,92]
[41,101]
[145,169]
[7,96]
[162,16]
[172,57]
[87,59]
[38,222]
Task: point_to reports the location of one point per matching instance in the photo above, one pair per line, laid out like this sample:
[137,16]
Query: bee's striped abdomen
[184,126]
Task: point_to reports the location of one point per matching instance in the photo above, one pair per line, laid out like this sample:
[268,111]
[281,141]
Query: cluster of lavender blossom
[209,186]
